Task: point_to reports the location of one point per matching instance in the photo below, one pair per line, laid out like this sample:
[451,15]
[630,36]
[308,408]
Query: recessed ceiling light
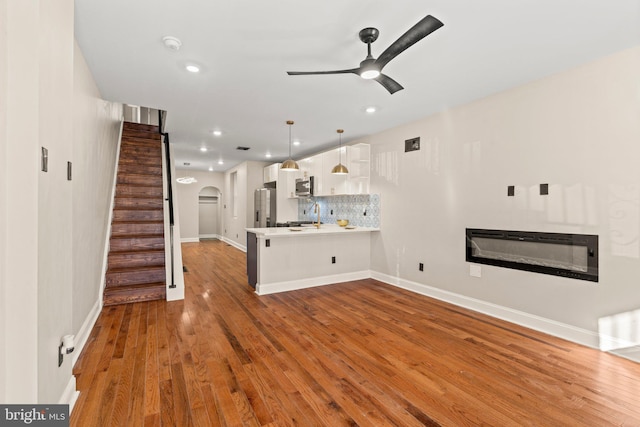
[210,168]
[296,143]
[217,132]
[220,162]
[268,155]
[203,149]
[193,68]
[370,110]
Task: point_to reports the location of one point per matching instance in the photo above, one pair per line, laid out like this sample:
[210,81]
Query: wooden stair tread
[139,236]
[135,269]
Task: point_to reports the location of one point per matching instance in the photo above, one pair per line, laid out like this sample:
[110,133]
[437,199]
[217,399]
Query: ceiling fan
[370,67]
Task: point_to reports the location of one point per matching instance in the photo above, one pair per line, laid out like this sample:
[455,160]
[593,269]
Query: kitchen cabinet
[355,157]
[286,205]
[312,166]
[359,164]
[334,184]
[271,172]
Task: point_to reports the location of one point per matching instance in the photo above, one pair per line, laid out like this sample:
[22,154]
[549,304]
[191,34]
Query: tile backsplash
[361,210]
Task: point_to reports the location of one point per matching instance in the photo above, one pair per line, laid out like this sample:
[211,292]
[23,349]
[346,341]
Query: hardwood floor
[358,353]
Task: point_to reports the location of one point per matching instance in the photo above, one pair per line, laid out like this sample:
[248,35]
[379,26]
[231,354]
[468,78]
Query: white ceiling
[245,47]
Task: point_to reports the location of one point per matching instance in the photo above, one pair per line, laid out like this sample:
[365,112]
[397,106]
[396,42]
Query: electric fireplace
[567,255]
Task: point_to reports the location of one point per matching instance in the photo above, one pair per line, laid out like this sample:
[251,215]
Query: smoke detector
[171,43]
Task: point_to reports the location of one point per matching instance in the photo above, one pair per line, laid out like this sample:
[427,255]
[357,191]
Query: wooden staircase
[135,270]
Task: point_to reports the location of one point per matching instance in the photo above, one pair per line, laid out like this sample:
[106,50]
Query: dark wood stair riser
[134,179]
[136,168]
[136,243]
[137,215]
[130,149]
[132,136]
[124,190]
[139,159]
[139,127]
[138,203]
[137,228]
[135,276]
[118,260]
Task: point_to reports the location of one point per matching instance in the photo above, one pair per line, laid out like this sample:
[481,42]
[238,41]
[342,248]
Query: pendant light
[289,164]
[340,169]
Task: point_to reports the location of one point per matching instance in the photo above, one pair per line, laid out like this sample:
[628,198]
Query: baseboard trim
[70,394]
[235,244]
[293,285]
[209,236]
[189,240]
[551,327]
[82,336]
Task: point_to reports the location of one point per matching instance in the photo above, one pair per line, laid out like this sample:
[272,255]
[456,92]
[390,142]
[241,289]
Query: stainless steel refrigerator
[264,212]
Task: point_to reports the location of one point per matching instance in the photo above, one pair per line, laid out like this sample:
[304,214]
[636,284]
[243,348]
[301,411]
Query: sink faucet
[316,209]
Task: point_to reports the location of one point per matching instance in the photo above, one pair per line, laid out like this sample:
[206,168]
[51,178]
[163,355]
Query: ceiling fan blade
[426,26]
[389,84]
[305,73]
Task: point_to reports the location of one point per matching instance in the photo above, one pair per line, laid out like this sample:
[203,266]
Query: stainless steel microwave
[304,187]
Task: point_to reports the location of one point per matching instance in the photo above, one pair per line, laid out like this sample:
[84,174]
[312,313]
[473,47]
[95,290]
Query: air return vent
[242,148]
[567,255]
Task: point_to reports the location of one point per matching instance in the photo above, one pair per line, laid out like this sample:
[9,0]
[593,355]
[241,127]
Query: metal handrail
[161,121]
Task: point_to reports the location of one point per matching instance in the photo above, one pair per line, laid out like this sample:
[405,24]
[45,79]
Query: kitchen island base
[280,260]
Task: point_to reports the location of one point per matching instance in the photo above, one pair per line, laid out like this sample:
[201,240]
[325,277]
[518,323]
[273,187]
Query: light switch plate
[475,270]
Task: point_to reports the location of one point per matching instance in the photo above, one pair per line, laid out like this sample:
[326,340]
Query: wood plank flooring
[358,353]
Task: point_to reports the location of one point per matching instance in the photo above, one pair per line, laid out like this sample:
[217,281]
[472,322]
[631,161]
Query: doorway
[209,213]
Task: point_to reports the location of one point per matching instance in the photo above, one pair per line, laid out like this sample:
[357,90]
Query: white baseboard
[631,353]
[189,239]
[235,244]
[551,327]
[69,395]
[209,236]
[85,331]
[293,285]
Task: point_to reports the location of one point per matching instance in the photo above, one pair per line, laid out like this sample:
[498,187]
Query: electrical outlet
[421,267]
[475,270]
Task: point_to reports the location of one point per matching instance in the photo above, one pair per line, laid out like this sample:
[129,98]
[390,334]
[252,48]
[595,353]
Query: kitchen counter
[307,230]
[287,258]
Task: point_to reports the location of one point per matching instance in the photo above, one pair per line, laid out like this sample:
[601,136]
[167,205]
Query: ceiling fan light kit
[289,165]
[371,68]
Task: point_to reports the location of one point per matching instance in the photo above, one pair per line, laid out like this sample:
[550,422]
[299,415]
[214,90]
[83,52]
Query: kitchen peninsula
[287,258]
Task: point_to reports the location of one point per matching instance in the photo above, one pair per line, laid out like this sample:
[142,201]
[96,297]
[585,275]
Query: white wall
[55,102]
[187,199]
[39,210]
[578,131]
[3,197]
[96,125]
[250,178]
[20,204]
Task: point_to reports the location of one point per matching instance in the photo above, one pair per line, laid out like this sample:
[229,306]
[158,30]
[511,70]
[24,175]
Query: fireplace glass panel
[568,255]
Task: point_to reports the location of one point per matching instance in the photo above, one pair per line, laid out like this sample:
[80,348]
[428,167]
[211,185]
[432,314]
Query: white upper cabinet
[271,172]
[359,165]
[334,184]
[355,157]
